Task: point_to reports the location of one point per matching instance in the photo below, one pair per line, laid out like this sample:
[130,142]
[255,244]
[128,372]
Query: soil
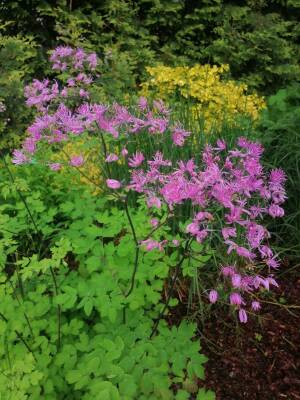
[259,360]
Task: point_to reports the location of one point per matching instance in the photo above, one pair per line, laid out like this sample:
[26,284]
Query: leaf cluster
[68,330]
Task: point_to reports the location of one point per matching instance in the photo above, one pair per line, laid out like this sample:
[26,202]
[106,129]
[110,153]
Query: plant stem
[21,196]
[171,289]
[58,311]
[19,335]
[137,249]
[25,315]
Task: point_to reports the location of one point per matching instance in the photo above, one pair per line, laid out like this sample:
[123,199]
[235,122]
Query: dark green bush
[18,62]
[258,38]
[280,133]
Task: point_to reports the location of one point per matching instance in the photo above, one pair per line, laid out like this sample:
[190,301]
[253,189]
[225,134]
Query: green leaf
[205,395]
[128,387]
[73,376]
[88,306]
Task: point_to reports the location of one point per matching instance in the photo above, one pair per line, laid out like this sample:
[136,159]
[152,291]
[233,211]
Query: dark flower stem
[58,311]
[137,249]
[171,289]
[19,335]
[21,196]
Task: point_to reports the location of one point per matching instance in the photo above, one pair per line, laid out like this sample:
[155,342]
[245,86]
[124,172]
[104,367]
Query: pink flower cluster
[234,183]
[64,57]
[58,123]
[229,190]
[45,93]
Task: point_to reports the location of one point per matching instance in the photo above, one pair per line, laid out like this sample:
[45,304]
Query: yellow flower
[216,99]
[89,173]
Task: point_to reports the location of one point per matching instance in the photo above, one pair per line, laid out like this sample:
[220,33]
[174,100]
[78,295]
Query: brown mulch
[259,360]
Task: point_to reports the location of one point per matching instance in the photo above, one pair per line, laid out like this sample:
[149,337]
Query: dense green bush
[68,329]
[18,61]
[280,134]
[259,39]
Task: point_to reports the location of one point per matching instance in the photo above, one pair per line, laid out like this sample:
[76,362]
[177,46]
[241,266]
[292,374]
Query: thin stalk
[25,315]
[21,196]
[171,289]
[58,311]
[19,335]
[137,249]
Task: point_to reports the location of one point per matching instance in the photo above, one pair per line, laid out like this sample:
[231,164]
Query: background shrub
[258,39]
[280,133]
[215,100]
[18,61]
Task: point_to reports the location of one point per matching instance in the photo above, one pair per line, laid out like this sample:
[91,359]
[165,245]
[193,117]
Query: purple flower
[92,60]
[243,252]
[124,152]
[228,232]
[193,228]
[179,135]
[236,299]
[76,161]
[154,222]
[151,244]
[277,177]
[243,316]
[221,144]
[255,305]
[113,184]
[55,166]
[255,234]
[201,235]
[29,145]
[143,103]
[272,263]
[160,106]
[202,215]
[276,211]
[19,157]
[154,202]
[111,158]
[83,93]
[136,160]
[213,296]
[265,251]
[272,281]
[71,82]
[228,271]
[236,280]
[157,125]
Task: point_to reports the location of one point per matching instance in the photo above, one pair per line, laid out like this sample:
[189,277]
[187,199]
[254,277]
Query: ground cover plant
[68,329]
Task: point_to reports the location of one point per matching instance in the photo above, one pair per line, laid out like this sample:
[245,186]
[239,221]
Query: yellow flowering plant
[216,99]
[90,172]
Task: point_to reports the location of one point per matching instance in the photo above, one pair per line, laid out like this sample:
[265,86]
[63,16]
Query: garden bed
[259,360]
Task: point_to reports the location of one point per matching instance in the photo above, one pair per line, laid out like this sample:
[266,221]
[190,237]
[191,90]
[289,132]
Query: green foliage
[260,44]
[280,134]
[17,58]
[259,39]
[68,330]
